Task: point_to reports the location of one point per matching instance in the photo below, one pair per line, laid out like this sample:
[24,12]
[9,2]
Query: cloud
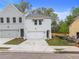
[62,15]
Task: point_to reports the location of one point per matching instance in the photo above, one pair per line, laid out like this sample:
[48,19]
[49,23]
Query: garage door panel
[35,35]
[8,33]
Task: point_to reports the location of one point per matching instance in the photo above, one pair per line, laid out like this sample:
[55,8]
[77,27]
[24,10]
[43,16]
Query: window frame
[20,19]
[35,21]
[1,20]
[8,20]
[40,21]
[14,19]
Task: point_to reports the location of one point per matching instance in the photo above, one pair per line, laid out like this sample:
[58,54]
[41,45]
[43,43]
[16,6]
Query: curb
[64,52]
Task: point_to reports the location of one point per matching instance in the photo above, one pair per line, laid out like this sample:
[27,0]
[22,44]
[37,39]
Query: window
[20,20]
[1,20]
[35,22]
[40,22]
[8,20]
[14,19]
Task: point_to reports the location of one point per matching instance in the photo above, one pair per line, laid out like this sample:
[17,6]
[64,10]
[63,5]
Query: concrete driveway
[33,46]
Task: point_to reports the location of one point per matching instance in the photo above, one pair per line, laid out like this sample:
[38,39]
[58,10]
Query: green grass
[4,47]
[59,49]
[58,42]
[15,41]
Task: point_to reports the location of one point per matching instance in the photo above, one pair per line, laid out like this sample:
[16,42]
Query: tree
[48,12]
[55,20]
[63,27]
[70,19]
[23,6]
[75,12]
[44,11]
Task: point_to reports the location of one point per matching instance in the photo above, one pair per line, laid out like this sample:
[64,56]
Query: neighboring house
[74,28]
[14,24]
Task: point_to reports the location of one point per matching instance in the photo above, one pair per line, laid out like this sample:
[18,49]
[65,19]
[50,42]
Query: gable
[10,10]
[75,24]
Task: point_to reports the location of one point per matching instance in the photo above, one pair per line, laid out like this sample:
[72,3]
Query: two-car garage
[9,33]
[35,35]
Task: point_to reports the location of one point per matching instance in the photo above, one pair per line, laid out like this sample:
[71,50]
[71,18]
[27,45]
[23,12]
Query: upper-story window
[1,20]
[8,20]
[40,22]
[14,19]
[35,22]
[20,19]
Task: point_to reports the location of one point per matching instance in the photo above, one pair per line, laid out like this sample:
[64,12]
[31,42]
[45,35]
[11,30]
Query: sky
[61,7]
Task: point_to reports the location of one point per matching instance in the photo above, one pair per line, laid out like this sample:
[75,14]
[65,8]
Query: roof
[13,6]
[16,8]
[74,20]
[37,16]
[76,17]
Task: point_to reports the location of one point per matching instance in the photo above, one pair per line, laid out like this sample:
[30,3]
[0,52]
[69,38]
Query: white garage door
[9,33]
[35,35]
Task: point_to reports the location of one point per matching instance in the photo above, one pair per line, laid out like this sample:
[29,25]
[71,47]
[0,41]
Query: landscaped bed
[15,41]
[59,42]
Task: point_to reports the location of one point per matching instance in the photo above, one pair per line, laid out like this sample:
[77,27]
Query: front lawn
[59,42]
[15,41]
[4,48]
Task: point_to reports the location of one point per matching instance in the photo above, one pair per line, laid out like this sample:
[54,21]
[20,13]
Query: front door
[22,32]
[47,33]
